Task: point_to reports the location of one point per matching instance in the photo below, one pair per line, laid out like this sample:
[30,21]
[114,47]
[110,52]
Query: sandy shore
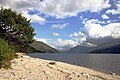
[27,68]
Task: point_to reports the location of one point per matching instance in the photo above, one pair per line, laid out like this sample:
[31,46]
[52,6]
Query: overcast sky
[63,24]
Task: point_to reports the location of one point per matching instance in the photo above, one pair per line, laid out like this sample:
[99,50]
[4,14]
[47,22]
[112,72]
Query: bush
[6,54]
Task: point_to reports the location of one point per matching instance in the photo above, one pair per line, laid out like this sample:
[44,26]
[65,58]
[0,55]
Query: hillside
[42,47]
[109,44]
[113,49]
[112,46]
[80,49]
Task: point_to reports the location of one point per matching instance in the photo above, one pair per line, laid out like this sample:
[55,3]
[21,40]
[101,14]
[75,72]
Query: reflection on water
[101,62]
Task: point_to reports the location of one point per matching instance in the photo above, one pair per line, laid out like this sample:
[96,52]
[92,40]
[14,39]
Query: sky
[64,24]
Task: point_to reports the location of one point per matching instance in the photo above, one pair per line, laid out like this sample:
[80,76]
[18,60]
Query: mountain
[113,49]
[80,49]
[41,47]
[112,46]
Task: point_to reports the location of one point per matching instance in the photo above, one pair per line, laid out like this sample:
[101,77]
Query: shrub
[6,54]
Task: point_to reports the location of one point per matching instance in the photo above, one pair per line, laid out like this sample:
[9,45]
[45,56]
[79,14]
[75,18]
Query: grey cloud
[99,41]
[97,34]
[26,4]
[58,8]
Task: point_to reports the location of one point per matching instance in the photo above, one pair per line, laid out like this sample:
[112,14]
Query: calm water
[102,62]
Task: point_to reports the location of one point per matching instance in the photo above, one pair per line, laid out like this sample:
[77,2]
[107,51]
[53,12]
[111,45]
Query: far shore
[28,68]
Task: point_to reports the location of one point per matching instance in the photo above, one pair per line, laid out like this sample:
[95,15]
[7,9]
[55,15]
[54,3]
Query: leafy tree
[16,29]
[6,54]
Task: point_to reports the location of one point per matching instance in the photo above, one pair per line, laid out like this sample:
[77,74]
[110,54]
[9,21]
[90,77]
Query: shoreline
[103,63]
[28,68]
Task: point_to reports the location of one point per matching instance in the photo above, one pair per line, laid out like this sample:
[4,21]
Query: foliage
[16,29]
[42,48]
[6,54]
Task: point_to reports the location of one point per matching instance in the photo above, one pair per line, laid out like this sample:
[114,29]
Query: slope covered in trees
[41,47]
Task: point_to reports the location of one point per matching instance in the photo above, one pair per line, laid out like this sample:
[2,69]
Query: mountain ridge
[112,46]
[41,47]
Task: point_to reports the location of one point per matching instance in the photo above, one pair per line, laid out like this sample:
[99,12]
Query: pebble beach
[28,68]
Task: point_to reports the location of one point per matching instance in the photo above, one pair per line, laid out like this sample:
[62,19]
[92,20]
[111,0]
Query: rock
[112,73]
[70,78]
[86,74]
[52,63]
[20,78]
[13,73]
[78,75]
[38,69]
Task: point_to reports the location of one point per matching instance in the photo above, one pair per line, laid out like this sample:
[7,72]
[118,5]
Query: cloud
[19,5]
[58,8]
[109,21]
[95,21]
[59,44]
[104,16]
[55,34]
[84,20]
[64,8]
[45,40]
[34,18]
[7,3]
[65,44]
[79,37]
[94,33]
[115,11]
[24,4]
[94,30]
[59,26]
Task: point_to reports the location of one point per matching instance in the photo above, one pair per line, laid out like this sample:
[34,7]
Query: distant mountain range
[80,49]
[113,49]
[112,46]
[41,47]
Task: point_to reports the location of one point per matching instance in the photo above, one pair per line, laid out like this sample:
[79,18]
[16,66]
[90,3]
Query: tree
[6,54]
[16,29]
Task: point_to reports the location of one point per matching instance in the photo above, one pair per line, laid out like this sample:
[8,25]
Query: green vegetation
[16,34]
[42,48]
[6,54]
[16,30]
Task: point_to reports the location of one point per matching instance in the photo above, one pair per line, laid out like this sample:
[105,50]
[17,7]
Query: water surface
[102,62]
